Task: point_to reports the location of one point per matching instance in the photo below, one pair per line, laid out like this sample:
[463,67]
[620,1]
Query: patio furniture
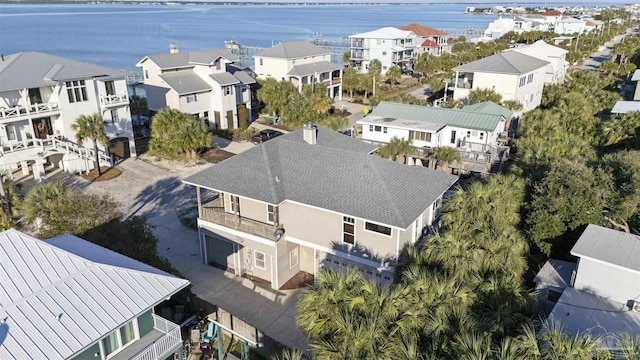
[194,339]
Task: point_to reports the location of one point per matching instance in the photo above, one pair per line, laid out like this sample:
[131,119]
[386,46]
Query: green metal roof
[452,117]
[489,107]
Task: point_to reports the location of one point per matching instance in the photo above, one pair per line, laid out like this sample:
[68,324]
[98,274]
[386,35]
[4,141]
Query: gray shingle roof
[317,67]
[224,78]
[610,246]
[95,294]
[338,173]
[508,62]
[33,69]
[185,82]
[293,50]
[432,115]
[244,77]
[185,59]
[489,107]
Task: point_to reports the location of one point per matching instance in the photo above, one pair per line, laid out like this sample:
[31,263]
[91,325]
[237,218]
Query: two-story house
[42,95]
[313,199]
[391,46]
[67,298]
[602,295]
[555,56]
[474,131]
[570,25]
[204,83]
[513,75]
[429,40]
[301,63]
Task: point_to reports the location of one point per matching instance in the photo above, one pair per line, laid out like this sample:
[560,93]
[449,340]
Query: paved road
[593,63]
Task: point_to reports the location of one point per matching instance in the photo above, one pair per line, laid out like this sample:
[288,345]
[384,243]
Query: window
[384,130]
[377,128]
[146,74]
[227,90]
[119,338]
[293,258]
[420,135]
[11,132]
[378,228]
[259,260]
[370,127]
[468,134]
[481,136]
[192,98]
[522,81]
[453,136]
[384,68]
[110,87]
[76,91]
[114,116]
[384,53]
[530,78]
[235,204]
[348,230]
[271,214]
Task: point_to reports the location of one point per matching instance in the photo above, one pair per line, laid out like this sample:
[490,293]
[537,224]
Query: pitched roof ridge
[371,160]
[272,181]
[9,60]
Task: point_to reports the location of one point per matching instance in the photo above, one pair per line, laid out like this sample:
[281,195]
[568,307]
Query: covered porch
[323,72]
[162,342]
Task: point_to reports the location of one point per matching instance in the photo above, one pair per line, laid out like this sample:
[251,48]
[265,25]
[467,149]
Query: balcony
[160,343]
[114,100]
[359,44]
[217,215]
[17,112]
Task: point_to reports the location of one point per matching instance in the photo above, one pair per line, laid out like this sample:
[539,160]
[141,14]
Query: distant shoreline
[281,3]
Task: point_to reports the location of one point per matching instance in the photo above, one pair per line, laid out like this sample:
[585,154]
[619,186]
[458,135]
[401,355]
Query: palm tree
[375,67]
[138,106]
[38,200]
[394,74]
[91,127]
[481,95]
[288,355]
[346,58]
[397,149]
[444,155]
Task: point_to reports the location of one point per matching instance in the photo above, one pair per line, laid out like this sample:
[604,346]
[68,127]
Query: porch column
[38,171]
[31,131]
[299,83]
[25,167]
[199,197]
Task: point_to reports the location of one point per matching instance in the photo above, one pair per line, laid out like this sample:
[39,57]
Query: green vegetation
[91,127]
[177,135]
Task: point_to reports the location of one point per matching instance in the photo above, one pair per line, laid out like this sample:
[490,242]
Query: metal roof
[434,115]
[508,62]
[489,107]
[293,50]
[421,30]
[186,59]
[224,78]
[610,246]
[625,107]
[33,69]
[401,123]
[312,68]
[338,173]
[555,273]
[384,33]
[185,82]
[60,296]
[540,49]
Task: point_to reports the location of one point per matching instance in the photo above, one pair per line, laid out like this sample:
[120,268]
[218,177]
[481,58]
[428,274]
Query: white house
[552,16]
[556,56]
[497,28]
[601,297]
[42,95]
[301,63]
[67,298]
[569,25]
[511,74]
[429,40]
[391,46]
[204,83]
[474,131]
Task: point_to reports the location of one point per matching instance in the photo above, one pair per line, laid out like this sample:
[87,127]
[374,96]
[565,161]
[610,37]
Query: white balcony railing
[53,143]
[164,344]
[18,111]
[116,99]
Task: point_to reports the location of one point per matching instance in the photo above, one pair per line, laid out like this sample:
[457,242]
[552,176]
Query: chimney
[173,48]
[309,133]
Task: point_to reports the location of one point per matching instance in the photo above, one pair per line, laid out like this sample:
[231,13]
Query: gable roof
[312,68]
[95,290]
[489,107]
[186,59]
[508,62]
[185,82]
[552,13]
[429,43]
[338,173]
[293,50]
[224,78]
[384,33]
[609,246]
[421,30]
[438,117]
[33,69]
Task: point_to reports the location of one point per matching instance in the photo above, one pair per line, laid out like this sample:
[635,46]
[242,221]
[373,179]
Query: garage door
[220,253]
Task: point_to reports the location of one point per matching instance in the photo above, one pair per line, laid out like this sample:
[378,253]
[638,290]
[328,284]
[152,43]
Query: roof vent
[59,316]
[173,48]
[309,133]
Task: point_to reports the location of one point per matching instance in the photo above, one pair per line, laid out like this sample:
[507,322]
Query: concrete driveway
[147,190]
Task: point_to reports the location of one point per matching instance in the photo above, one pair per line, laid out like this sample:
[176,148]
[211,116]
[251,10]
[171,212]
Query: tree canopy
[177,135]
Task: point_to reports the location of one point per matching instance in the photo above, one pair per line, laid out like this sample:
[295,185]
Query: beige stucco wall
[271,68]
[285,272]
[307,259]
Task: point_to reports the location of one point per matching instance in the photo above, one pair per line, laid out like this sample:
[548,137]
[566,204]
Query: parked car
[265,135]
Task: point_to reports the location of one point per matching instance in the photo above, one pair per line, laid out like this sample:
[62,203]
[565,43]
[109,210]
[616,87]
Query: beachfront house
[205,84]
[497,28]
[569,26]
[67,298]
[599,294]
[552,16]
[391,46]
[513,75]
[42,95]
[428,40]
[301,63]
[476,131]
[309,200]
[555,56]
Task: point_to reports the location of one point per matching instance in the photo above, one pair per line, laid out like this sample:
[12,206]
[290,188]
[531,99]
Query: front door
[230,120]
[42,128]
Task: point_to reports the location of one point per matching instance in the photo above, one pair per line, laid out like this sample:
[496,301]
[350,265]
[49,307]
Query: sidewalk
[144,189]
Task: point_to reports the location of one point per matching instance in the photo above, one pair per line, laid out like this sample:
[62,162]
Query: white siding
[607,281]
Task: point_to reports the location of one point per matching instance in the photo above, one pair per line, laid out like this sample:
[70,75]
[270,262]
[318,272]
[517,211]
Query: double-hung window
[293,258]
[119,338]
[11,132]
[114,116]
[522,81]
[259,260]
[271,214]
[348,230]
[235,204]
